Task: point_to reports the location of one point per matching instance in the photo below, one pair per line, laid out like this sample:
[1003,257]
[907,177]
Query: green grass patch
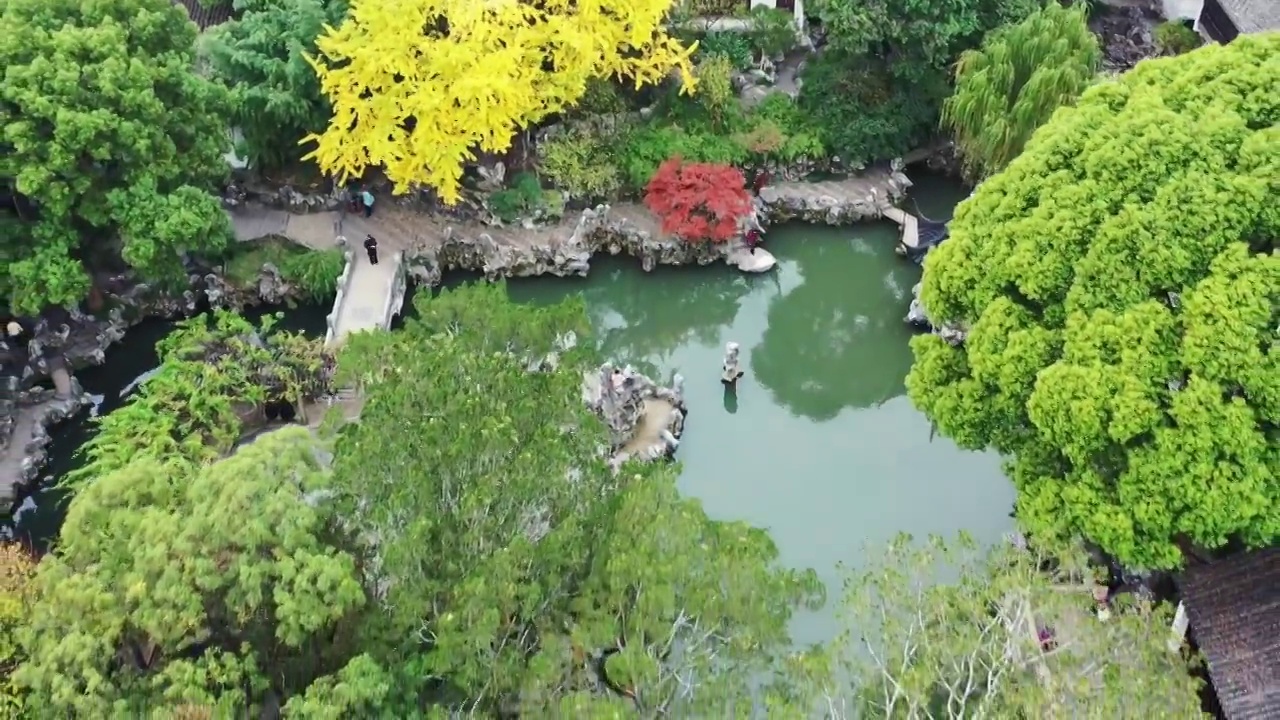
[313,272]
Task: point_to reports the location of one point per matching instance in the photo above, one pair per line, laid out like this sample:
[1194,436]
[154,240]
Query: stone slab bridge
[369,296]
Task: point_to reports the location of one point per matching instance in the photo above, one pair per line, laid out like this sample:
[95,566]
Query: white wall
[799,11]
[1181,9]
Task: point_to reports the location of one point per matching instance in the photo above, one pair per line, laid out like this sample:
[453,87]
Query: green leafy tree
[1119,283]
[108,134]
[949,630]
[518,568]
[877,90]
[1010,87]
[204,587]
[215,372]
[261,57]
[917,39]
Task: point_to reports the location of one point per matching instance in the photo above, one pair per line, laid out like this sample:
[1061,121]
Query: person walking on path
[368,202]
[371,246]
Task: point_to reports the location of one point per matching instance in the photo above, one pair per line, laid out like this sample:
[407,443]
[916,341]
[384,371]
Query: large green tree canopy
[516,565]
[463,547]
[1121,290]
[177,585]
[108,133]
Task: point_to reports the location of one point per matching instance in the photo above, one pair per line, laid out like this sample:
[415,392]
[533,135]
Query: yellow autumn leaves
[417,86]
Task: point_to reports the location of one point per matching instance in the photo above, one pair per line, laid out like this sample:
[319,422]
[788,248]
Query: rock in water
[746,261]
[730,371]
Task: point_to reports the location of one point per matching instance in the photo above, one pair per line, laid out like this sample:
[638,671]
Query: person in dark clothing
[753,240]
[371,246]
[758,180]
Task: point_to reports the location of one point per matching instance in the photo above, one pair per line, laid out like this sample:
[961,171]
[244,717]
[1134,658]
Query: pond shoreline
[83,339]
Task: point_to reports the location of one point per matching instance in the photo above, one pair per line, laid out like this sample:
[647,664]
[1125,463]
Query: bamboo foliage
[1015,81]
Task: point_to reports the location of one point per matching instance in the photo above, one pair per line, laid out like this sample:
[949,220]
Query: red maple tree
[698,201]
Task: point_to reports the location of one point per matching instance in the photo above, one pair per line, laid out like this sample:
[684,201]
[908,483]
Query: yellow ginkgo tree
[417,86]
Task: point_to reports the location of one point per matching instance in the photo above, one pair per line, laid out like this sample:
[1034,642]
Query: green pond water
[820,445]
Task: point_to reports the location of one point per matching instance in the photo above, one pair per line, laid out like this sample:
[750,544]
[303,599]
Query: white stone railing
[344,284]
[395,295]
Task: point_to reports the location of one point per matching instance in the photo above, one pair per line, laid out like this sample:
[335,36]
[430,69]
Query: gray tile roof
[216,14]
[1234,608]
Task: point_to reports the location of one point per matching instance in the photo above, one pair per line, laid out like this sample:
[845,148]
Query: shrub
[715,8]
[1174,38]
[715,90]
[526,198]
[731,45]
[315,272]
[648,147]
[765,139]
[779,109]
[802,145]
[601,98]
[580,164]
[780,131]
[773,32]
[698,201]
[862,115]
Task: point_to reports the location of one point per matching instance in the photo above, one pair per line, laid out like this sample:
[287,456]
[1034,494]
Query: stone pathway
[909,224]
[24,427]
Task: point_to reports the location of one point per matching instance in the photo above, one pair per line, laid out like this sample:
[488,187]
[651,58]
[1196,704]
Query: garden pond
[819,444]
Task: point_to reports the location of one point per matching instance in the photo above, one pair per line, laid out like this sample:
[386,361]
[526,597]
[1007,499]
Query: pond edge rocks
[565,250]
[27,417]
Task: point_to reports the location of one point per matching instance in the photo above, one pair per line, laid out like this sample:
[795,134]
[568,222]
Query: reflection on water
[819,444]
[835,338]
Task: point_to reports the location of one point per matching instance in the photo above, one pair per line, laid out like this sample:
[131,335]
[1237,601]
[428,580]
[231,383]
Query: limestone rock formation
[25,419]
[916,317]
[731,370]
[741,257]
[835,202]
[645,420]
